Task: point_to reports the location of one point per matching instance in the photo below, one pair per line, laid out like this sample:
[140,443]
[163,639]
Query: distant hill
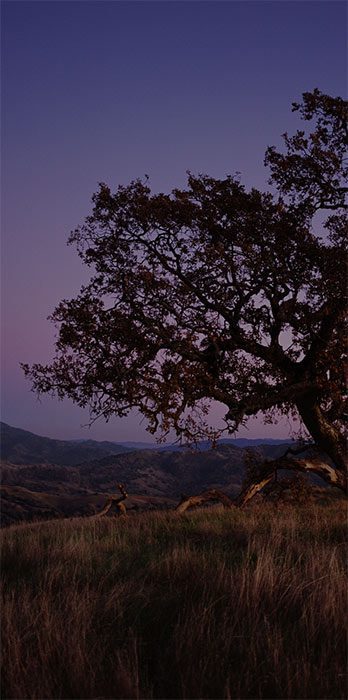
[156,478]
[165,473]
[43,478]
[22,447]
[20,504]
[205,444]
[153,479]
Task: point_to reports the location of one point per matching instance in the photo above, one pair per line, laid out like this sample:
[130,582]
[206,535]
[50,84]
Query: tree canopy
[213,292]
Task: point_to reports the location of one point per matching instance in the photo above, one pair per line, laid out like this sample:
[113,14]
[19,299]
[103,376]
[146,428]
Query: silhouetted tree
[217,293]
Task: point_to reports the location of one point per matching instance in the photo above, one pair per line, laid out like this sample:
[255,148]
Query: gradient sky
[109,91]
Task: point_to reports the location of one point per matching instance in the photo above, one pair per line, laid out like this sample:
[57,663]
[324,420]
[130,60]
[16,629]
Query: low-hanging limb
[266,473]
[267,470]
[115,501]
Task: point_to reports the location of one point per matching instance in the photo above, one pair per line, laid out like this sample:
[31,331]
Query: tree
[217,293]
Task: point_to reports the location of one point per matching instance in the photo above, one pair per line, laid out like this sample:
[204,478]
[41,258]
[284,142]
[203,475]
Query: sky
[108,91]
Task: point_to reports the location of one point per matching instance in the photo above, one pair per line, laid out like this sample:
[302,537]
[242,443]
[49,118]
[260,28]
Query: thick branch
[205,497]
[266,474]
[271,396]
[313,466]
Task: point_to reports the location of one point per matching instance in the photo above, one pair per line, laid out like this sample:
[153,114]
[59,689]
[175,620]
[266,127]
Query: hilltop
[23,447]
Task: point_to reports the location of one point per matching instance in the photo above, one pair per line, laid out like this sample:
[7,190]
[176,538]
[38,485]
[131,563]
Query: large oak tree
[217,293]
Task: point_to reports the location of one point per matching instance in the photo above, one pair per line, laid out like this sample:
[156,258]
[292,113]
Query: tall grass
[212,604]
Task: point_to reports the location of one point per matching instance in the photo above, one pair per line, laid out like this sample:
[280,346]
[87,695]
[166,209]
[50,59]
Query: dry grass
[212,604]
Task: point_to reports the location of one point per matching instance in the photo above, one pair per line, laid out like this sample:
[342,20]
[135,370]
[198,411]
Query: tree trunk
[325,435]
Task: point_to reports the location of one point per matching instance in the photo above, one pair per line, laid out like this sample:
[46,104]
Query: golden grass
[211,604]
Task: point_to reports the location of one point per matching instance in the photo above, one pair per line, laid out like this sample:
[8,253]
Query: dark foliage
[216,293]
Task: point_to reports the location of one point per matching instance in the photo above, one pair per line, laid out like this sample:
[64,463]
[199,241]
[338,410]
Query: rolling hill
[22,447]
[50,490]
[45,478]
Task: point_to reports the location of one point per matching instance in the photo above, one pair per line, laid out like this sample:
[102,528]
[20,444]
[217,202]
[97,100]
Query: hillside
[20,504]
[167,473]
[212,604]
[50,490]
[22,447]
[44,478]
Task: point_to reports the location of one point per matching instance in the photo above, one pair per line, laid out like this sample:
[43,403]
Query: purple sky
[110,91]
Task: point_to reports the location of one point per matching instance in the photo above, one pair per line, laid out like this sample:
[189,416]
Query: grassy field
[211,604]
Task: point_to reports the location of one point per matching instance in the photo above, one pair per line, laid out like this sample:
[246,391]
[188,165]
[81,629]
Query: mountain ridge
[23,447]
[10,434]
[43,478]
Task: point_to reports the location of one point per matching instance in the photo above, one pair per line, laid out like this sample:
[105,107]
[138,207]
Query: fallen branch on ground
[115,501]
[211,495]
[266,472]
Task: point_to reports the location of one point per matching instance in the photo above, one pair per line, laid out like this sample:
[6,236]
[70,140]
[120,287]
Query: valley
[44,478]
